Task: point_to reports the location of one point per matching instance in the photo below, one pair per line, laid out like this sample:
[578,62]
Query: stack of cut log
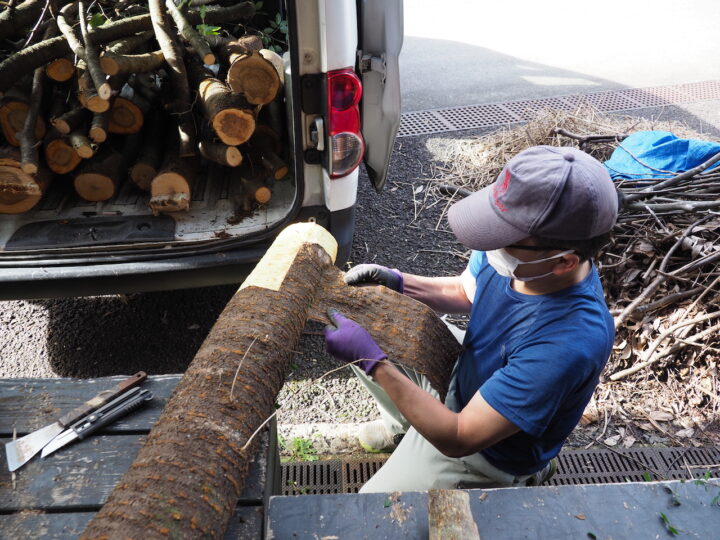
[143,98]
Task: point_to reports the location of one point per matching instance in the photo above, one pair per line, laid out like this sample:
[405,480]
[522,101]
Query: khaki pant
[416,465]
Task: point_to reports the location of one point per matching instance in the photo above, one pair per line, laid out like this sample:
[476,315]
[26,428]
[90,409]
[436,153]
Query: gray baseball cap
[559,193]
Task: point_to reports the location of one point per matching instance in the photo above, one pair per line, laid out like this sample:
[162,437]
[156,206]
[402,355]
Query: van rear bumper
[202,270]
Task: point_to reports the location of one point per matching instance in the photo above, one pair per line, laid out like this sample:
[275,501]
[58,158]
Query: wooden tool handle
[101,399]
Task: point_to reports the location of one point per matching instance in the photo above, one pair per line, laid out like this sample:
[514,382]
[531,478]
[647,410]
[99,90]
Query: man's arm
[474,428]
[443,294]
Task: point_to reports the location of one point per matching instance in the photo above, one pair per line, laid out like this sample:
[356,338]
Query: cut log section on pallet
[188,476]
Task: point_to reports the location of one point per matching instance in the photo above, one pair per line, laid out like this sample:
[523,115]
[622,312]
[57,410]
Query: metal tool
[20,451]
[107,414]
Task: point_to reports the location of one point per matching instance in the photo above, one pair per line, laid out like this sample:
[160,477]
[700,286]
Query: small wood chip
[580,516]
[483,497]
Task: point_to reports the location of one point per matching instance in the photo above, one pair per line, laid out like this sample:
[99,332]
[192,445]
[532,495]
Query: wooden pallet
[56,497]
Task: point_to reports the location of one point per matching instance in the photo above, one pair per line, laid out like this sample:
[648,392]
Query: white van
[342,101]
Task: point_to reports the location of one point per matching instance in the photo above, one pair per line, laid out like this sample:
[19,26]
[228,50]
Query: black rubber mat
[574,467]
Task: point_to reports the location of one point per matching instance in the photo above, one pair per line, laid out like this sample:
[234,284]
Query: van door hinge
[368,62]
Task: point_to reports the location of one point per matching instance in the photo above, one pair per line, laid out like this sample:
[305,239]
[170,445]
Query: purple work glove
[347,341]
[374,274]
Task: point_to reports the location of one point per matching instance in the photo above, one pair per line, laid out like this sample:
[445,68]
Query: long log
[181,105]
[220,153]
[188,476]
[29,141]
[16,21]
[19,191]
[26,60]
[69,120]
[171,188]
[99,127]
[186,30]
[148,162]
[114,64]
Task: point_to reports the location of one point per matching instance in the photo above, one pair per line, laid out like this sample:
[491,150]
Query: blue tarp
[658,154]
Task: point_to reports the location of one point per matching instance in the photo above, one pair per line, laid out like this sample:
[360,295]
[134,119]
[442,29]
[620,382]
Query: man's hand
[349,342]
[374,274]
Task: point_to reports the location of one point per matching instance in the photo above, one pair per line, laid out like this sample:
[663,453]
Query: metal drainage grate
[574,467]
[496,114]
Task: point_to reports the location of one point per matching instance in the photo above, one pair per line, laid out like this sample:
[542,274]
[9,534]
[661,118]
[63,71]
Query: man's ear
[567,263]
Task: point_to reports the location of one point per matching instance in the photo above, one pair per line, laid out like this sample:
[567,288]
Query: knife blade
[120,406]
[20,451]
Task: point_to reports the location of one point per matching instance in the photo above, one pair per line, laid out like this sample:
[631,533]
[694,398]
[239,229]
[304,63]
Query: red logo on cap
[499,190]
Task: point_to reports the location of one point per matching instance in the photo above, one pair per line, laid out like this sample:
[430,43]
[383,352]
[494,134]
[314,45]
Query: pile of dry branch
[105,91]
[661,271]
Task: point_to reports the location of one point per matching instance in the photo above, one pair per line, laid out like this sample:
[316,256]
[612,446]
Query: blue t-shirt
[535,360]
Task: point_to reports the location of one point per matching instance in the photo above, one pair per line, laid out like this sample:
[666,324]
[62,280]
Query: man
[538,337]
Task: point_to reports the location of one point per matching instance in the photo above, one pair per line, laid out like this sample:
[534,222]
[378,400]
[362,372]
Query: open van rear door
[380,39]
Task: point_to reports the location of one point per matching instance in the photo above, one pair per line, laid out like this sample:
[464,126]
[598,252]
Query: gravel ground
[160,332]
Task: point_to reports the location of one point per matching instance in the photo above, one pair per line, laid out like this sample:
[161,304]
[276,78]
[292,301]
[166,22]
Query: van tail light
[346,143]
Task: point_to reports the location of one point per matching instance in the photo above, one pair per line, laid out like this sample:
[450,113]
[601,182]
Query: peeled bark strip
[255,76]
[199,45]
[29,141]
[449,516]
[12,121]
[188,476]
[83,146]
[148,162]
[60,156]
[220,153]
[230,116]
[97,179]
[34,56]
[99,127]
[114,64]
[178,78]
[19,191]
[70,120]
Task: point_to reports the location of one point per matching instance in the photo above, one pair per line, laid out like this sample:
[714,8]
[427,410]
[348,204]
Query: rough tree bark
[70,120]
[220,153]
[29,141]
[146,166]
[171,188]
[181,105]
[186,30]
[186,479]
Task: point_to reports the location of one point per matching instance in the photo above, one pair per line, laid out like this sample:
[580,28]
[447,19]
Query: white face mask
[505,264]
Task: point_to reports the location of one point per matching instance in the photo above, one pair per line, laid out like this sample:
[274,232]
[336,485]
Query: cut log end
[12,121]
[263,195]
[169,192]
[209,59]
[19,191]
[97,134]
[96,104]
[254,77]
[94,187]
[60,69]
[61,157]
[125,117]
[234,126]
[142,175]
[109,65]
